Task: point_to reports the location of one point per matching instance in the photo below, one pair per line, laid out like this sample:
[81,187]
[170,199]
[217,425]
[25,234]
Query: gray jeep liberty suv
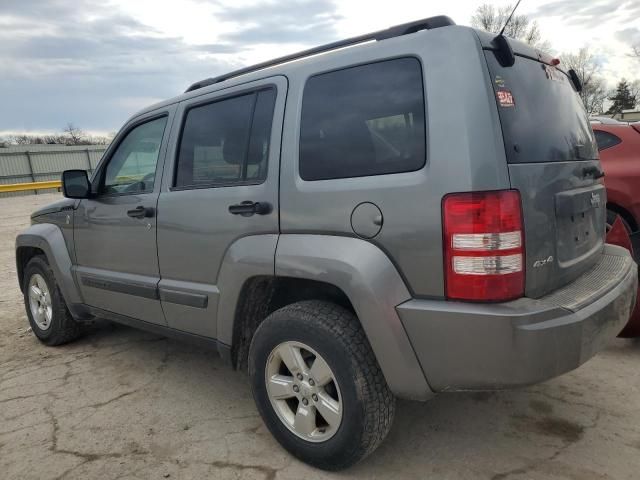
[412,211]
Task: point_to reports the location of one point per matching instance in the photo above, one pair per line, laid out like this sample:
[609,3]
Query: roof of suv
[430,23]
[253,71]
[391,32]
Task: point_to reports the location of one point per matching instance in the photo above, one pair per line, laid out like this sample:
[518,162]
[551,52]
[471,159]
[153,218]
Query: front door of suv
[220,188]
[115,230]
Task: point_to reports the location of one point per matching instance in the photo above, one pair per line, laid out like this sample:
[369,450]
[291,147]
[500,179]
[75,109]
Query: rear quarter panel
[464,152]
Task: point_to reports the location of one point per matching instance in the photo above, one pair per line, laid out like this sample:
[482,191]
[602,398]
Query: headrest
[234,147]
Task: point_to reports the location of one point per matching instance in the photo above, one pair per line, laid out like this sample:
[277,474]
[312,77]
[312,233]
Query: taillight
[483,246]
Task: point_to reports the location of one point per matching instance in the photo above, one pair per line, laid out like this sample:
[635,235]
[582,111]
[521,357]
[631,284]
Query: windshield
[542,117]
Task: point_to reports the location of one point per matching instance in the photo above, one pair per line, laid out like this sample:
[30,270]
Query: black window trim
[362,64]
[98,178]
[254,90]
[618,139]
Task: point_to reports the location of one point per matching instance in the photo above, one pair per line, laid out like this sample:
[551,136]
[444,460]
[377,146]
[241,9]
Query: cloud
[630,36]
[571,8]
[587,14]
[84,63]
[90,63]
[299,22]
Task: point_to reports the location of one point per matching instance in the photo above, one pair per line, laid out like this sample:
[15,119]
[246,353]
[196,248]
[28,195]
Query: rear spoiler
[488,42]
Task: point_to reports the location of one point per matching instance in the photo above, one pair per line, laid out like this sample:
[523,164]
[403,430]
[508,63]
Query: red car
[619,146]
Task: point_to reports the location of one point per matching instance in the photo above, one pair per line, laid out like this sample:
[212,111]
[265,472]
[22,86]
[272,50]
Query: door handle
[141,212]
[249,208]
[593,171]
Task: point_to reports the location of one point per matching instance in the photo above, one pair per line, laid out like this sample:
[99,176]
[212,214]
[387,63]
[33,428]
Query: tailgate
[553,162]
[564,220]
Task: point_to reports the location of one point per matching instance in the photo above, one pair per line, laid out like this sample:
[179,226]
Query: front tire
[318,386]
[47,312]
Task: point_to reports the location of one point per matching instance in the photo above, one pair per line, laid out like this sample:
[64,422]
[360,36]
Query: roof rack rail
[397,31]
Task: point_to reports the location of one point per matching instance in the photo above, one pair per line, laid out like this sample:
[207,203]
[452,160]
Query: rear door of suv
[553,161]
[220,185]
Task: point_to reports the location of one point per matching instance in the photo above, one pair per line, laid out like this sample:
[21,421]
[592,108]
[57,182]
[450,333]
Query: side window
[365,120]
[605,139]
[226,142]
[132,167]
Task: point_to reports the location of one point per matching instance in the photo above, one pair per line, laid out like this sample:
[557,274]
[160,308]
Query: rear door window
[364,120]
[542,116]
[226,142]
[605,139]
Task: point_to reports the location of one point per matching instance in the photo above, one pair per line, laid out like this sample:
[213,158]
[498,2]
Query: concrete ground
[121,403]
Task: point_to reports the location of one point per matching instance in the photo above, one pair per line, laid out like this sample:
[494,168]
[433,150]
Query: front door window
[132,168]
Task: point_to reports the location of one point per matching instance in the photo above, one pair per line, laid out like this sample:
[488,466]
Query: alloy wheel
[303,391]
[40,301]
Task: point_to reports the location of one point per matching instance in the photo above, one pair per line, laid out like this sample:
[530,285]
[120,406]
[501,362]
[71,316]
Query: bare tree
[594,95]
[20,139]
[636,51]
[594,91]
[492,19]
[74,135]
[71,136]
[101,139]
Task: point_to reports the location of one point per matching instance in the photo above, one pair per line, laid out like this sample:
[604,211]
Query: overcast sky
[94,63]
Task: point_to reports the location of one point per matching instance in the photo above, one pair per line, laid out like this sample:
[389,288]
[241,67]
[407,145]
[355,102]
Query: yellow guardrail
[23,187]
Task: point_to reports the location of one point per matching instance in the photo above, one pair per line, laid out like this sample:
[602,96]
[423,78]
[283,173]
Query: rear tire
[47,312]
[329,339]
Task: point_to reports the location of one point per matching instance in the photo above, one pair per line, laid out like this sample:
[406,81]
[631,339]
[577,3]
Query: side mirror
[75,184]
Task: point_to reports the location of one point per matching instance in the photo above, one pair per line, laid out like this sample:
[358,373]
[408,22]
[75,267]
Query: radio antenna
[509,19]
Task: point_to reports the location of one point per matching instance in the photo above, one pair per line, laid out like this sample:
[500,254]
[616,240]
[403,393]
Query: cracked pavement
[125,404]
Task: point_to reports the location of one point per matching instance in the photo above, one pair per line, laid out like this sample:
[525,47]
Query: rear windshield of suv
[542,116]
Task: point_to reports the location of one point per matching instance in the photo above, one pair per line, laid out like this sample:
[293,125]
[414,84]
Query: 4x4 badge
[542,263]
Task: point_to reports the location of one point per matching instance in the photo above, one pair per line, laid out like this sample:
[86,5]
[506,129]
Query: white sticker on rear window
[505,98]
[554,74]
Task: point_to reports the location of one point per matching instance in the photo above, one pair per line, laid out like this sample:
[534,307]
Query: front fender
[48,238]
[374,287]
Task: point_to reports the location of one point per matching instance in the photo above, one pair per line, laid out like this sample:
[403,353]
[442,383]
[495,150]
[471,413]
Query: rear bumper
[465,346]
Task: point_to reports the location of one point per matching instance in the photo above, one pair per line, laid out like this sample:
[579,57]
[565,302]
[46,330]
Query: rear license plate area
[580,222]
[581,225]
